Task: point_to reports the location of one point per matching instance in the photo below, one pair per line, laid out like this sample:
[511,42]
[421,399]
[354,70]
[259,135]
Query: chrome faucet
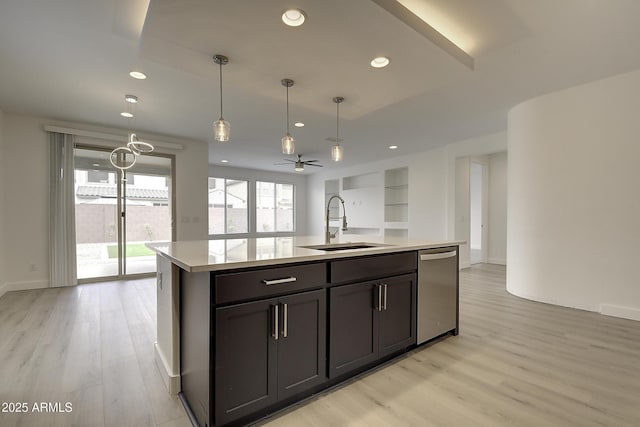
[328,234]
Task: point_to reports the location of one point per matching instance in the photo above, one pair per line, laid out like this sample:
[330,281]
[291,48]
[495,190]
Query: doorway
[478,212]
[116,217]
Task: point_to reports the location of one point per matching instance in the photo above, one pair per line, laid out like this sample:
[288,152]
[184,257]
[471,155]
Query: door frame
[484,209]
[121,208]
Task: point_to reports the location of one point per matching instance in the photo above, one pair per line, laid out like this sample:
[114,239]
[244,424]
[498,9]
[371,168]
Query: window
[228,211]
[98,176]
[274,207]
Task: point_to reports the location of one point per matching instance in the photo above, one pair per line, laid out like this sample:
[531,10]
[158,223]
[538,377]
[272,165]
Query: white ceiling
[69,60]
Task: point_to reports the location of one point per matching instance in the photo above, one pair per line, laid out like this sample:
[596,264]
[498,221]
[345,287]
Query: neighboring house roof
[218,197]
[111,192]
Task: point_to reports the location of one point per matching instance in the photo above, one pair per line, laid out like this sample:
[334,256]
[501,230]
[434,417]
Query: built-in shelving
[377,203]
[396,195]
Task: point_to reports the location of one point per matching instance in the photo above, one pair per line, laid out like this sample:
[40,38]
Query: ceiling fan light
[221,130]
[299,166]
[288,145]
[337,153]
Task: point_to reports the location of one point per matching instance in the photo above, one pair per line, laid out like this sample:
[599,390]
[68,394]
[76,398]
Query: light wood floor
[90,345]
[515,362]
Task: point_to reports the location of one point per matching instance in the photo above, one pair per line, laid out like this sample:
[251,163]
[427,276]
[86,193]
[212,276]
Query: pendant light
[221,127]
[337,151]
[288,143]
[125,157]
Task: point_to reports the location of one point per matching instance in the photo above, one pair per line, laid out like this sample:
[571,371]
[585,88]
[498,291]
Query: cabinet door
[353,327]
[245,371]
[398,315]
[302,360]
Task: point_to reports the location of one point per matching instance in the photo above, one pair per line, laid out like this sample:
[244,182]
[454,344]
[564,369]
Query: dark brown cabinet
[370,320]
[268,350]
[255,340]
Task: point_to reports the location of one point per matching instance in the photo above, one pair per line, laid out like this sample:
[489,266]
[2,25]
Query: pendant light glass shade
[288,142]
[221,127]
[337,151]
[221,130]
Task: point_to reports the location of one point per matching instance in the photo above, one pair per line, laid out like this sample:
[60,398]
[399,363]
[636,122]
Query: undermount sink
[344,246]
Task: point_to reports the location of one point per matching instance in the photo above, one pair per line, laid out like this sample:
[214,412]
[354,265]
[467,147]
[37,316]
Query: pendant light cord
[287,110]
[220,89]
[337,123]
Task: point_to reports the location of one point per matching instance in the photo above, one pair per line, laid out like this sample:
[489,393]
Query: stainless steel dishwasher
[437,292]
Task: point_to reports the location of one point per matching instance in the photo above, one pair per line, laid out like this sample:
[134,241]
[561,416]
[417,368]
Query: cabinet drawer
[352,269]
[263,282]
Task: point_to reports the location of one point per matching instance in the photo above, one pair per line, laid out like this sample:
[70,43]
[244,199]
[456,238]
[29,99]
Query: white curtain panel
[62,228]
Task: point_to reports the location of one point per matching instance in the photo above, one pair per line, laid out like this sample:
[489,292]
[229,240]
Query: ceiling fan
[299,164]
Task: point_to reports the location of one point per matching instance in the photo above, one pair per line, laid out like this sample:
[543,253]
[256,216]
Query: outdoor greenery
[133,249]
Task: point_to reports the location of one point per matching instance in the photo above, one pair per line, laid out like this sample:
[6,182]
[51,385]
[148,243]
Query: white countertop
[225,254]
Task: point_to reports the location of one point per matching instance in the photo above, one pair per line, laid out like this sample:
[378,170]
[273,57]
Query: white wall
[26,220]
[431,185]
[315,189]
[2,206]
[498,208]
[299,180]
[574,203]
[25,209]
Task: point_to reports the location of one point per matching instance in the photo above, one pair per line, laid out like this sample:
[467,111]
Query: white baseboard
[171,380]
[630,313]
[499,261]
[23,286]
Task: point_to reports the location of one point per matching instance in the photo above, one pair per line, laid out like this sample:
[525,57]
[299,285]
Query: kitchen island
[247,327]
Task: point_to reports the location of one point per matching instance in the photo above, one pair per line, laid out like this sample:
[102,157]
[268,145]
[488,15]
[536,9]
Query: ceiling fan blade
[311,164]
[311,161]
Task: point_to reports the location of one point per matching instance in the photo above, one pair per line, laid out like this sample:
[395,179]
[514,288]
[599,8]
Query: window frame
[226,206]
[275,208]
[252,208]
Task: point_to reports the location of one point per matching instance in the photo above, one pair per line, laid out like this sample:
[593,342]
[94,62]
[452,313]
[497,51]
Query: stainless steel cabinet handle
[285,321]
[379,298]
[438,255]
[278,281]
[275,322]
[385,296]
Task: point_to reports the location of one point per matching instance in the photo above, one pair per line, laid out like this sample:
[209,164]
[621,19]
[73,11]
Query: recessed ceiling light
[95,164]
[126,114]
[138,75]
[132,99]
[224,161]
[294,17]
[299,124]
[380,62]
[393,147]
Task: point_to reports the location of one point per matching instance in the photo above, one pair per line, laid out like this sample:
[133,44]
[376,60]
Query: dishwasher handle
[438,255]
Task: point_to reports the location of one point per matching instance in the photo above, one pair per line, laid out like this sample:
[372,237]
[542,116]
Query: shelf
[396,224]
[396,204]
[361,181]
[398,187]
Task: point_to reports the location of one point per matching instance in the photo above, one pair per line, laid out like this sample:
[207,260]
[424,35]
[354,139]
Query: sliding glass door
[115,218]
